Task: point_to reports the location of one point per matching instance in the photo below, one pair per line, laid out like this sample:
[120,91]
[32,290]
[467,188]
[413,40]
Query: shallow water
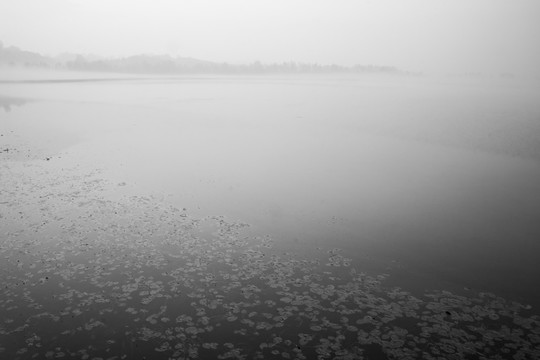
[250,184]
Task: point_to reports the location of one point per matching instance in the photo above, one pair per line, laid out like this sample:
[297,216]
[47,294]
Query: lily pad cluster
[92,271]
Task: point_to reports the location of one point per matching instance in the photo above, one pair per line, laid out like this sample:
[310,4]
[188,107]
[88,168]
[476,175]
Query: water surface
[436,184]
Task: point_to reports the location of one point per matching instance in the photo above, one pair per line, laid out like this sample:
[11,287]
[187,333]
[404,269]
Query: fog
[493,36]
[436,176]
[164,207]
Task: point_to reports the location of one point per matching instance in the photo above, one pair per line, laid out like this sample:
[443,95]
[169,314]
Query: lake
[270,217]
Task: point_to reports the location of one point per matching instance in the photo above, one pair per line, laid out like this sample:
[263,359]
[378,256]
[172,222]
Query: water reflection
[6,103]
[89,254]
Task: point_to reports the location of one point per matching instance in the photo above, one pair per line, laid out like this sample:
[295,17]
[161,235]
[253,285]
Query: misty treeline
[166,64]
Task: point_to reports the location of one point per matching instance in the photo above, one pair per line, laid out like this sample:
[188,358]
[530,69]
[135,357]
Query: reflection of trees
[6,103]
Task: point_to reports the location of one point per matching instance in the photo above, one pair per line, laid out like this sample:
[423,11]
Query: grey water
[435,181]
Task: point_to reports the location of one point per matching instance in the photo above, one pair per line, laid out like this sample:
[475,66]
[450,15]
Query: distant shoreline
[53,81]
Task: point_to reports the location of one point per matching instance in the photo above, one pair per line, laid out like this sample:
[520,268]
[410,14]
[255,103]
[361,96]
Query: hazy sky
[418,35]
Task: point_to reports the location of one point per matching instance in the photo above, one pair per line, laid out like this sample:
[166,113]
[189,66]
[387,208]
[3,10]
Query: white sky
[418,35]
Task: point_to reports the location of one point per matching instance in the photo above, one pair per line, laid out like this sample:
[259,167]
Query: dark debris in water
[87,277]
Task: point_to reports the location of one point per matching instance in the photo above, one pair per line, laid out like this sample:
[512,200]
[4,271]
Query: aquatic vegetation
[90,271]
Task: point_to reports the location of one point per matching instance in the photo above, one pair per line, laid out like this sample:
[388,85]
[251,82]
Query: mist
[422,36]
[269,179]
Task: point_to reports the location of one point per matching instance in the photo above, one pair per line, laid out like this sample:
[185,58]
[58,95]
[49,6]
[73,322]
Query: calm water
[435,183]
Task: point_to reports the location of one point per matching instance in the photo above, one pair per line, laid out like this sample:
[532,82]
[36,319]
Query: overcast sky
[417,35]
